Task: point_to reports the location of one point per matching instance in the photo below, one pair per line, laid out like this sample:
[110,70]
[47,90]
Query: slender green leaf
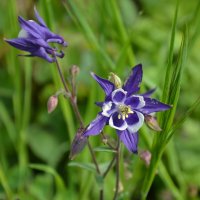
[45,168]
[104,149]
[87,166]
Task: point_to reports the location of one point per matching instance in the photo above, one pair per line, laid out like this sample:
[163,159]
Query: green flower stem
[5,184]
[19,106]
[25,120]
[46,6]
[107,142]
[117,169]
[109,167]
[101,195]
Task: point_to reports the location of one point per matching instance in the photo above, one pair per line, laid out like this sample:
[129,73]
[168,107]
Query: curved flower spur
[35,38]
[123,109]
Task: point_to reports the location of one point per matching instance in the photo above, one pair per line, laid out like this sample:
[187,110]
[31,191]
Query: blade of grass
[122,30]
[13,65]
[168,181]
[163,172]
[77,14]
[195,25]
[5,184]
[166,121]
[47,169]
[170,58]
[179,123]
[10,126]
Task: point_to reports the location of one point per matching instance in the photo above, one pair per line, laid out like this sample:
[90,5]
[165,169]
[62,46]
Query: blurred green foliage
[103,36]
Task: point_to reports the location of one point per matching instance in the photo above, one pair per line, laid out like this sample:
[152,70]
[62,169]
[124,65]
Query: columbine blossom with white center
[35,38]
[124,110]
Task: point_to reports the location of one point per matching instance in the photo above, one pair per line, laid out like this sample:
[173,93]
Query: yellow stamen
[124,110]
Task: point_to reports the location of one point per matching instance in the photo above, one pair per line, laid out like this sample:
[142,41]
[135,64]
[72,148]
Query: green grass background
[103,36]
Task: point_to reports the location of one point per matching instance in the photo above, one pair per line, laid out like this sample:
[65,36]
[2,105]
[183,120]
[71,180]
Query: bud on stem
[52,103]
[152,123]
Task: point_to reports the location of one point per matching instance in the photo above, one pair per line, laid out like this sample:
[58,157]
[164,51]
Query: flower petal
[23,44]
[135,102]
[96,125]
[152,105]
[132,84]
[129,139]
[40,20]
[135,121]
[118,95]
[117,123]
[41,52]
[148,93]
[107,86]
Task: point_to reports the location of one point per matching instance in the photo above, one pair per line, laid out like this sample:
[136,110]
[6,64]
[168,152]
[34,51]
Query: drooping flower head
[35,38]
[123,109]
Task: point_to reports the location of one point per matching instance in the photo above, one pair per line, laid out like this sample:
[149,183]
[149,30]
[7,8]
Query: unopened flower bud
[74,70]
[78,143]
[146,157]
[152,123]
[115,80]
[52,103]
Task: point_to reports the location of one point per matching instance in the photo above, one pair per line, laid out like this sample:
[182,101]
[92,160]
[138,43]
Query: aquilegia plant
[35,38]
[123,109]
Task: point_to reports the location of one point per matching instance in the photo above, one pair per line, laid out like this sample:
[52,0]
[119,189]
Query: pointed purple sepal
[107,86]
[40,20]
[152,105]
[132,84]
[148,93]
[22,44]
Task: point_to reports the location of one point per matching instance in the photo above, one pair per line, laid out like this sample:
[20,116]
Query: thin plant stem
[76,110]
[93,157]
[109,167]
[117,170]
[101,195]
[72,99]
[107,142]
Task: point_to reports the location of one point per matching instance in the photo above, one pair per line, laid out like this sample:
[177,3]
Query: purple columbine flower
[35,38]
[123,109]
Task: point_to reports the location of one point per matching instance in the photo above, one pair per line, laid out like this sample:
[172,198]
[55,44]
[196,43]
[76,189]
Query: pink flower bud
[152,123]
[146,157]
[52,103]
[74,70]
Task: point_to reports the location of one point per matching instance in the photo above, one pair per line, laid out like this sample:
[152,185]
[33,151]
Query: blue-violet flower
[123,109]
[35,38]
